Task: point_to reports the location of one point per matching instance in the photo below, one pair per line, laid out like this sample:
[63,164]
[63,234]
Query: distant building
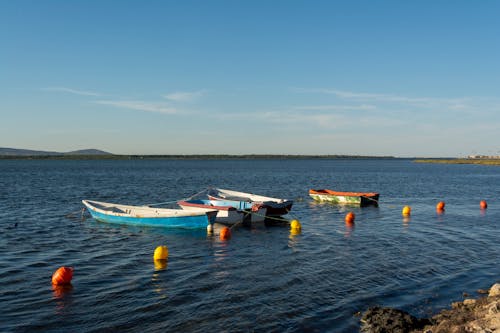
[484,157]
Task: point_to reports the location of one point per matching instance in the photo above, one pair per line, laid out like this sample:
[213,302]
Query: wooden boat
[274,206]
[357,198]
[149,216]
[228,211]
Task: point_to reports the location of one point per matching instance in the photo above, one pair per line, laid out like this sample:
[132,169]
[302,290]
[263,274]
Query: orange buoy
[62,276]
[349,218]
[440,206]
[225,233]
[406,211]
[483,204]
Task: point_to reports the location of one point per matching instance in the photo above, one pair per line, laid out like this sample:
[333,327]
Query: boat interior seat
[114,209]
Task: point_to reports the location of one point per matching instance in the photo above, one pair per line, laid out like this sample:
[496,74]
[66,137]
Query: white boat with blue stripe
[229,212]
[150,216]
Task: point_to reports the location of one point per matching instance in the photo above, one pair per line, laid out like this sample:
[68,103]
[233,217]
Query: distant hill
[88,152]
[28,152]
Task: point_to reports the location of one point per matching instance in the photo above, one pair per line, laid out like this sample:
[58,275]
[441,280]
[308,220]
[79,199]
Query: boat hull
[345,198]
[169,218]
[228,212]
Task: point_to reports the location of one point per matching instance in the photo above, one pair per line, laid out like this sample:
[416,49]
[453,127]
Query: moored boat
[149,216]
[356,198]
[274,206]
[228,211]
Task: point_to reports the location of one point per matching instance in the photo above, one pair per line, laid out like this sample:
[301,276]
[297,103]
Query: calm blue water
[264,279]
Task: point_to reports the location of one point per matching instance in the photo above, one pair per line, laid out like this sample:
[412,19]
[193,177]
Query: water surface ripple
[264,279]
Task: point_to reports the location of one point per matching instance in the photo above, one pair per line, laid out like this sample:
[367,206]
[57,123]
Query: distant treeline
[488,161]
[187,157]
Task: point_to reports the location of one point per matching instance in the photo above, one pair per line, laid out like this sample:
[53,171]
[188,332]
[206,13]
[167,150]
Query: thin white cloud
[140,106]
[363,107]
[72,91]
[185,96]
[454,103]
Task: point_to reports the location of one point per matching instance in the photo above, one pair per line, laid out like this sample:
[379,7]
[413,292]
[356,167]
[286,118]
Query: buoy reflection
[349,228]
[59,291]
[61,294]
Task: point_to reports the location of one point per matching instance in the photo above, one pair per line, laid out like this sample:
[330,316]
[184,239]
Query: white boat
[229,211]
[149,216]
[274,206]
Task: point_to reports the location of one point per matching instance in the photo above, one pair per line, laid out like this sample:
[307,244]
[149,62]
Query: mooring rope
[174,201]
[73,217]
[266,217]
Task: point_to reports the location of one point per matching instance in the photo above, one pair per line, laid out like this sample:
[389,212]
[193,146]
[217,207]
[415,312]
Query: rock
[495,290]
[469,301]
[494,308]
[480,315]
[380,320]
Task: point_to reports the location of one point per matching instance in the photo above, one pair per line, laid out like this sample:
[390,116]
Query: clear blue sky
[400,78]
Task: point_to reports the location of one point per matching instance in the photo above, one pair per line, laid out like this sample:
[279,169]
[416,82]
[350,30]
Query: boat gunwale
[205,206]
[271,202]
[328,192]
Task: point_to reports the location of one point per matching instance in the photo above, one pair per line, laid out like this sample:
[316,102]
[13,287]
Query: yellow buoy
[161,253]
[406,210]
[295,225]
[160,265]
[210,229]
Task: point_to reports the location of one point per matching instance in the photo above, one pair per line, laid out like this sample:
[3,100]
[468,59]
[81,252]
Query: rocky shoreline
[471,315]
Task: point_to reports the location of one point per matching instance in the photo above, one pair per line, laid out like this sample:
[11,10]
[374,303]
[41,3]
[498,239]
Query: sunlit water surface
[264,279]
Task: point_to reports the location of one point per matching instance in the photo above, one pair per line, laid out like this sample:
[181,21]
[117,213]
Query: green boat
[354,198]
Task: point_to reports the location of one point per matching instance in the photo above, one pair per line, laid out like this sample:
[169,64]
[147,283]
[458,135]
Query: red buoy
[349,218]
[440,206]
[225,233]
[62,276]
[483,204]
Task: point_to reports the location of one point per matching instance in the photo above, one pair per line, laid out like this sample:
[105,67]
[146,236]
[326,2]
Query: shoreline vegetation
[187,157]
[97,154]
[482,161]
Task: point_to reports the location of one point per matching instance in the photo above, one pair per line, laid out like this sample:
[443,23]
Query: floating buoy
[440,206]
[210,229]
[161,253]
[483,204]
[295,225]
[349,218]
[225,233]
[406,211]
[62,276]
[160,265]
